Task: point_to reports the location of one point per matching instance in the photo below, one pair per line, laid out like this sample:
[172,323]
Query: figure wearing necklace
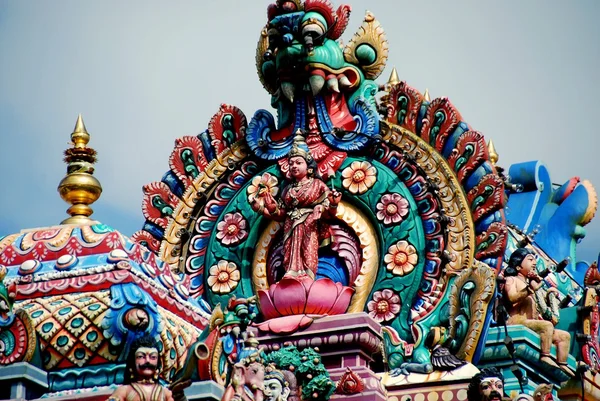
[522,282]
[302,205]
[141,376]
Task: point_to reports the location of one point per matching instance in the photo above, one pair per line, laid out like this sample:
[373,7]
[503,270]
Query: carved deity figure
[303,204]
[276,388]
[522,283]
[141,380]
[543,392]
[487,385]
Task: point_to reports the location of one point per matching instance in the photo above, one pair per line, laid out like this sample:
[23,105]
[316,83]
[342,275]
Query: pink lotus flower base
[294,303]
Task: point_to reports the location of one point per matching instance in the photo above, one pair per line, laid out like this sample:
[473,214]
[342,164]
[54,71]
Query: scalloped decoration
[226,127]
[404,106]
[470,152]
[487,196]
[440,121]
[158,203]
[369,38]
[187,160]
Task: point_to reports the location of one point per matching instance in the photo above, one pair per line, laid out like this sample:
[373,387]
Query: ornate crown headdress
[273,373]
[299,147]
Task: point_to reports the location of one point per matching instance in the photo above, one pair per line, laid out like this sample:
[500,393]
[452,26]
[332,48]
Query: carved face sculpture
[491,389]
[146,362]
[273,390]
[298,167]
[527,265]
[275,387]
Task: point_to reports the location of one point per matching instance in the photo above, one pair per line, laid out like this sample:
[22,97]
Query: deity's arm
[513,293]
[169,395]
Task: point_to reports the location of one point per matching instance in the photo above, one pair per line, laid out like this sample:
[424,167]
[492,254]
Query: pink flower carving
[232,229]
[392,208]
[384,306]
[401,258]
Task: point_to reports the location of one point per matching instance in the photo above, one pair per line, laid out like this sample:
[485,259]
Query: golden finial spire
[492,152]
[79,187]
[426,95]
[393,78]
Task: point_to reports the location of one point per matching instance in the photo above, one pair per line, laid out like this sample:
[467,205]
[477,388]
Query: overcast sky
[142,73]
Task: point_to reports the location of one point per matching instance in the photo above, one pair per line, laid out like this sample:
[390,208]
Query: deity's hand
[334,198]
[254,204]
[317,212]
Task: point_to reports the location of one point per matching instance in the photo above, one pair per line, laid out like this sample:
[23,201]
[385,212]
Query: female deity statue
[301,207]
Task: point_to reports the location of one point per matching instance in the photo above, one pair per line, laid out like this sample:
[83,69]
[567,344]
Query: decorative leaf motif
[491,243]
[487,196]
[187,159]
[145,238]
[403,106]
[372,35]
[226,127]
[475,308]
[440,121]
[341,22]
[158,203]
[470,152]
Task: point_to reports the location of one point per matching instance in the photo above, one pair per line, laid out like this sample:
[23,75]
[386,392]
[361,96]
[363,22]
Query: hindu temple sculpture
[143,369]
[487,385]
[276,386]
[350,246]
[304,202]
[521,292]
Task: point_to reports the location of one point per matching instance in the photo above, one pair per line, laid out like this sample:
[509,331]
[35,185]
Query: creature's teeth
[332,85]
[288,90]
[414,314]
[316,84]
[344,82]
[427,305]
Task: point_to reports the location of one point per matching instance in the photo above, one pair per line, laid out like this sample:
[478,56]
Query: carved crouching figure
[246,382]
[141,380]
[522,282]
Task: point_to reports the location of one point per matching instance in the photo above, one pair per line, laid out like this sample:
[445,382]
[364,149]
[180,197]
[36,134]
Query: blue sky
[143,73]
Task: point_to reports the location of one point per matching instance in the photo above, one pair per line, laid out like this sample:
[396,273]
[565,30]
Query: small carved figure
[522,282]
[276,387]
[302,205]
[141,380]
[247,382]
[487,385]
[543,392]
